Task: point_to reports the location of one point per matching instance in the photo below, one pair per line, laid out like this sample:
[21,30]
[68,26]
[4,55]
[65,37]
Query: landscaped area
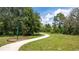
[61,25]
[54,42]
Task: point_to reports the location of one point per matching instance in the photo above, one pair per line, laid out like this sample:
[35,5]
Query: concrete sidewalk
[15,46]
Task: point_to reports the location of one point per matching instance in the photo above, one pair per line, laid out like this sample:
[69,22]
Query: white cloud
[48,18]
[64,11]
[48,15]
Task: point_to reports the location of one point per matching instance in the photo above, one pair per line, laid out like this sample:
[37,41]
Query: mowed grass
[56,42]
[3,39]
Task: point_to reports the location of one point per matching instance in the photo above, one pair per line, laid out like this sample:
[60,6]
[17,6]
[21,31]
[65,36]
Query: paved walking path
[15,46]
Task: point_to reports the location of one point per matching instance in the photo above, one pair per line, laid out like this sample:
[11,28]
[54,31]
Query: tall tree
[72,22]
[58,22]
[61,19]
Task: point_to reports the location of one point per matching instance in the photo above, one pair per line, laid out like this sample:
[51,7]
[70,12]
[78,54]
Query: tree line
[19,19]
[24,21]
[65,24]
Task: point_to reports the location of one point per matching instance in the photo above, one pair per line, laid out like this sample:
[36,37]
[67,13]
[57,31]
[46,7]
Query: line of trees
[22,18]
[27,22]
[65,24]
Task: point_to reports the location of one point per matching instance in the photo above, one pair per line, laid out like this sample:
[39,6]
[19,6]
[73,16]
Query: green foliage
[67,25]
[60,16]
[58,23]
[46,28]
[24,19]
[71,24]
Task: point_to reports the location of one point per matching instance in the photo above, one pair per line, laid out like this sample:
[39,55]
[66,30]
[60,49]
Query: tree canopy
[24,18]
[67,24]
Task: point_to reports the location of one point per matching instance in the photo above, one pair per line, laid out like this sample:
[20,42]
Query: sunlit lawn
[57,42]
[3,39]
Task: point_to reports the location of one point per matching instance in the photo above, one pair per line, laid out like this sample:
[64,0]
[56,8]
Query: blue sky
[47,13]
[44,10]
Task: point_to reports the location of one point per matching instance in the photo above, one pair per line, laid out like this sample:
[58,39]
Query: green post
[17,32]
[17,28]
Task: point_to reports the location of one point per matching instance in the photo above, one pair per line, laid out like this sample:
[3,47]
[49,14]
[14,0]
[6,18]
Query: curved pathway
[15,46]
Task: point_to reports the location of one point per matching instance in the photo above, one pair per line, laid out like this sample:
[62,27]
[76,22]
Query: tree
[72,23]
[58,23]
[1,27]
[24,19]
[55,24]
[31,22]
[46,28]
[61,19]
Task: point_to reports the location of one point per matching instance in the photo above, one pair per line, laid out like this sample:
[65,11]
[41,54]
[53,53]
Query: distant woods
[64,24]
[16,19]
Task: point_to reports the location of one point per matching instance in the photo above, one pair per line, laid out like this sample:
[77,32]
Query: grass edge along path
[56,42]
[3,39]
[15,46]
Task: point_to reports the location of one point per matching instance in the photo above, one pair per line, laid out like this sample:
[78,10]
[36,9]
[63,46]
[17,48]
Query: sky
[47,13]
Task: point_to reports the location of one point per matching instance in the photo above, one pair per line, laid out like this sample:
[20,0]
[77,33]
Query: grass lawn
[56,42]
[3,39]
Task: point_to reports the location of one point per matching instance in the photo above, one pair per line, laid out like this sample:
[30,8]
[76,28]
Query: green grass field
[3,39]
[56,42]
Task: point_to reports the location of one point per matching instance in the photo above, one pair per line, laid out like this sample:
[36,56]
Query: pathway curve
[15,46]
